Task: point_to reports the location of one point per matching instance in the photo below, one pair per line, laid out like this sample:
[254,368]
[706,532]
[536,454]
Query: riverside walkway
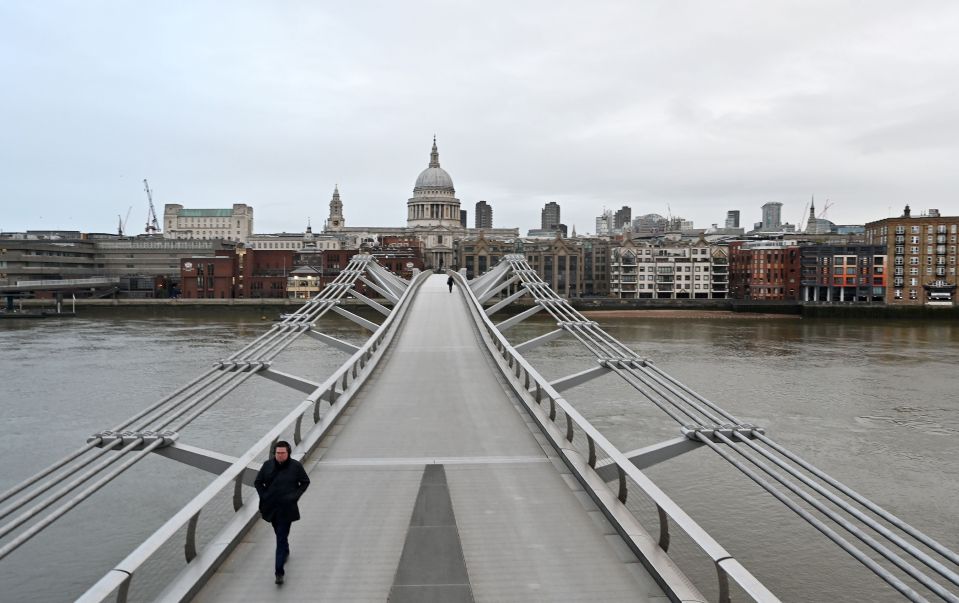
[437,489]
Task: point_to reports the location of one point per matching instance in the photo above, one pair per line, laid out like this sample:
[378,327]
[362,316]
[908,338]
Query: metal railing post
[189,549]
[663,528]
[238,492]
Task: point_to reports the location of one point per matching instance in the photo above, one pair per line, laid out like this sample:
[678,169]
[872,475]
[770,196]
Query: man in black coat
[280,483]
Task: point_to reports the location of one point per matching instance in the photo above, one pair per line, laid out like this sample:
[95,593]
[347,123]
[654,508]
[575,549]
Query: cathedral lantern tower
[434,201]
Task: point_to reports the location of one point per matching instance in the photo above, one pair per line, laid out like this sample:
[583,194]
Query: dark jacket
[280,486]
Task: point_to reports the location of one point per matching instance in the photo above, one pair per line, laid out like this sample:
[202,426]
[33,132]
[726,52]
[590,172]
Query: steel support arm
[349,348]
[207,460]
[369,302]
[388,295]
[366,324]
[384,282]
[299,384]
[538,341]
[648,456]
[480,283]
[509,323]
[495,289]
[494,309]
[565,383]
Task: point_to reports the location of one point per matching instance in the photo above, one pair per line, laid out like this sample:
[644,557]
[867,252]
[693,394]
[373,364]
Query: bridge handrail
[120,576]
[725,563]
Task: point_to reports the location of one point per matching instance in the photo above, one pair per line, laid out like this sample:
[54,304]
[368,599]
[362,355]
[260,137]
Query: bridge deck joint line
[426,460]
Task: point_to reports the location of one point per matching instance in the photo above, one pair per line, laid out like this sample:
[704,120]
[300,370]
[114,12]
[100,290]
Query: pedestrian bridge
[445,467]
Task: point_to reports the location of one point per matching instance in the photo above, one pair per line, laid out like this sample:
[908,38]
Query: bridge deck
[436,488]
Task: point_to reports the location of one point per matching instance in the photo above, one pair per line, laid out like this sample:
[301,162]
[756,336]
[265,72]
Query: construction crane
[153,226]
[122,222]
[825,208]
[801,227]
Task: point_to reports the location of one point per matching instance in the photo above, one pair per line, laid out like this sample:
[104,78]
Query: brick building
[242,273]
[922,251]
[844,273]
[764,270]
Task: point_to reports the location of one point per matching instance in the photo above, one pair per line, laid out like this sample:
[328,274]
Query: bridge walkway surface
[437,486]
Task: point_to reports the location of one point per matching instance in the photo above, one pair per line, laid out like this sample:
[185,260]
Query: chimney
[905,212]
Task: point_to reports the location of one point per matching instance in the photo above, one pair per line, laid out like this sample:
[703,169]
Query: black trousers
[282,531]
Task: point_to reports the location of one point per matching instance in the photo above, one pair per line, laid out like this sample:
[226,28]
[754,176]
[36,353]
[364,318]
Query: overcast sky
[698,107]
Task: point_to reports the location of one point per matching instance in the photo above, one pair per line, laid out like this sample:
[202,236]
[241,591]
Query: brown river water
[875,404]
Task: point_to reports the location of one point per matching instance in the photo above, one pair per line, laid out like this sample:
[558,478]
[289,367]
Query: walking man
[280,483]
[449,283]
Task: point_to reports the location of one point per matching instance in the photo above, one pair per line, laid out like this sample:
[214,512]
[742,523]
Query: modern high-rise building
[484,215]
[732,218]
[623,217]
[550,216]
[772,216]
[923,253]
[463,218]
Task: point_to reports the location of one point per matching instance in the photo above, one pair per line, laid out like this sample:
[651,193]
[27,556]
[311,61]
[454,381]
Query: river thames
[875,404]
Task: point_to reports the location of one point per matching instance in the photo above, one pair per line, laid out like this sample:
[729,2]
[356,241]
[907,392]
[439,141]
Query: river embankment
[608,307]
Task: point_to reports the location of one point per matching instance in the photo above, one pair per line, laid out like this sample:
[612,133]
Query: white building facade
[234,224]
[678,270]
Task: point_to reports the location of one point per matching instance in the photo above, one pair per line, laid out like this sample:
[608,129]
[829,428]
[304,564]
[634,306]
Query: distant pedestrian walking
[449,283]
[280,483]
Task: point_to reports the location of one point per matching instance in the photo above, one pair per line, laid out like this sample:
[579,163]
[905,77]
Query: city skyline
[693,110]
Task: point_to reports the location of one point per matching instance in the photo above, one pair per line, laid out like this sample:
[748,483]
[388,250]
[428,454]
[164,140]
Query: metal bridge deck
[501,520]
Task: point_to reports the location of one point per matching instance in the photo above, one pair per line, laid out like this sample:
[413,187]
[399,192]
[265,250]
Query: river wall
[275,306]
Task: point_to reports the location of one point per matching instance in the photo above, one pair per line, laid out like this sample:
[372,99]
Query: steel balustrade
[535,391]
[705,423]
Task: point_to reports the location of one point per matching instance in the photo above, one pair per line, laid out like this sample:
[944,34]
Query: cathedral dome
[434,177]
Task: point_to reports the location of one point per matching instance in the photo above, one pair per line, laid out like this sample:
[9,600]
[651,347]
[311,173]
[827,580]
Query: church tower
[335,221]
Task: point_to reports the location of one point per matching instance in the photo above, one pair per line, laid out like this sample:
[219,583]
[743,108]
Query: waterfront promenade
[437,488]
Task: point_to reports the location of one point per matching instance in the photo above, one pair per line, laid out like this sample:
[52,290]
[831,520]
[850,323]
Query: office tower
[732,218]
[484,215]
[623,217]
[772,216]
[550,216]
